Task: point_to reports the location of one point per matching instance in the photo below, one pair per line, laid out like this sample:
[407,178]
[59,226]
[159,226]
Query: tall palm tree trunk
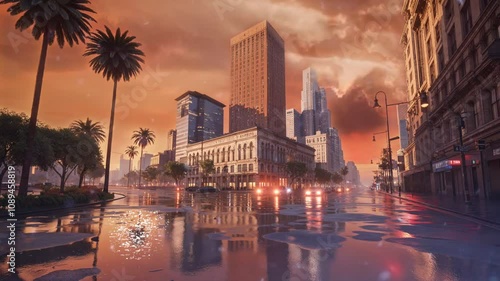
[140,166]
[82,176]
[129,168]
[30,142]
[110,138]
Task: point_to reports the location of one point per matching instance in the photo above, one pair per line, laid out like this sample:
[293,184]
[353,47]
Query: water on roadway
[166,235]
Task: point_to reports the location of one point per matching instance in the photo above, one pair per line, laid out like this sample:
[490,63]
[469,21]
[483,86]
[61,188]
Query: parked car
[192,188]
[207,189]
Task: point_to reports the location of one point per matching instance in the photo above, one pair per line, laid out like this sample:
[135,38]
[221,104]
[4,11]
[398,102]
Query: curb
[444,209]
[66,208]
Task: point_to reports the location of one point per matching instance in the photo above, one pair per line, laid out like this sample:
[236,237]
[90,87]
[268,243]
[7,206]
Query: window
[432,73]
[472,116]
[466,18]
[440,60]
[429,49]
[250,167]
[483,4]
[495,103]
[473,58]
[438,31]
[461,70]
[486,98]
[232,169]
[239,168]
[452,42]
[448,11]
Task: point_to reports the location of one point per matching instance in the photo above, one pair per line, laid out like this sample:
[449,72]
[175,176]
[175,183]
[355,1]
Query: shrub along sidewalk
[50,198]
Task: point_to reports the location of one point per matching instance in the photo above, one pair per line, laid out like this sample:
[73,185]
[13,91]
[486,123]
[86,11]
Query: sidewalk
[480,209]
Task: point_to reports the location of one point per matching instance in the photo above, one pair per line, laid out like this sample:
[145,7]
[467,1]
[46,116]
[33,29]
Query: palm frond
[117,56]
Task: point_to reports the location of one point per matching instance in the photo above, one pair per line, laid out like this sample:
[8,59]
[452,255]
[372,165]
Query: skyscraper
[323,114]
[292,123]
[257,80]
[310,90]
[199,118]
[172,136]
[403,132]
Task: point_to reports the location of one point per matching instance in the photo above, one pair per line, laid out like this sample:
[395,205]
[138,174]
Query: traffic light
[481,144]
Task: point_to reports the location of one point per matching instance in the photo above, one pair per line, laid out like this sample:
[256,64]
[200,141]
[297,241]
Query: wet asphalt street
[168,235]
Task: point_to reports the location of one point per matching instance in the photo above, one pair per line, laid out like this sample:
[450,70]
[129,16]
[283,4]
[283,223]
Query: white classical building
[324,150]
[250,158]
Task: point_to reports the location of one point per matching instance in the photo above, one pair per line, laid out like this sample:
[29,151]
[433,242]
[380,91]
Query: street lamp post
[461,125]
[423,103]
[388,136]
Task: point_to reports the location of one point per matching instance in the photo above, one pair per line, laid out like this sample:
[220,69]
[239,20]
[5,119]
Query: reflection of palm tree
[60,21]
[101,219]
[118,57]
[131,152]
[142,138]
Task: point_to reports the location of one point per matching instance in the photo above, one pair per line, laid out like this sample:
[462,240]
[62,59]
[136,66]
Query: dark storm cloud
[353,112]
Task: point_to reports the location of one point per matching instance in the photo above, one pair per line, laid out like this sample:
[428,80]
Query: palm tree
[142,138]
[118,57]
[64,21]
[131,152]
[93,130]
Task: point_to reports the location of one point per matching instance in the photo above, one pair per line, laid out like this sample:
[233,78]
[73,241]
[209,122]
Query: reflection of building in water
[230,216]
[199,251]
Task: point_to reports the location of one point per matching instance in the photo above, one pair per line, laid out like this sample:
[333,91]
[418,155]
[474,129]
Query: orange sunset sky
[353,45]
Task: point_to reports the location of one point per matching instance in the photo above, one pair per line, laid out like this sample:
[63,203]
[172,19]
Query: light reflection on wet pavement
[165,235]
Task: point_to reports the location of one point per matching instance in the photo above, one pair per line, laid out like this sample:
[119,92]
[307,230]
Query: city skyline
[195,57]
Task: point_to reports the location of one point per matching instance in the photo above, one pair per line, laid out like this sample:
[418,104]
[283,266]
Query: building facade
[309,102]
[353,175]
[452,52]
[324,150]
[293,124]
[199,118]
[171,139]
[257,80]
[247,159]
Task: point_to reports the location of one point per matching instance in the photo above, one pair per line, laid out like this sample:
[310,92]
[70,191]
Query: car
[206,189]
[280,190]
[342,189]
[313,192]
[192,188]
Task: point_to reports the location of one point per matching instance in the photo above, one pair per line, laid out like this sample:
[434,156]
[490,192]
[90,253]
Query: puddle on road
[180,236]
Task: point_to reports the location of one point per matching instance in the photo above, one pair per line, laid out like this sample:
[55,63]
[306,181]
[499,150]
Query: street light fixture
[424,102]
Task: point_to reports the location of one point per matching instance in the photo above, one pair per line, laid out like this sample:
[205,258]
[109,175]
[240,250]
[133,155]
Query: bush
[51,197]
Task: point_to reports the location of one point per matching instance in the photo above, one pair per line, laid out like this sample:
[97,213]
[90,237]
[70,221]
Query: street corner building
[452,54]
[247,159]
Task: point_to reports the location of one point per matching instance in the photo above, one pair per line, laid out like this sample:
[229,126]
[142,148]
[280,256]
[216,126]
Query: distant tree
[322,176]
[343,172]
[295,170]
[93,130]
[65,147]
[97,172]
[207,167]
[53,21]
[151,174]
[176,170]
[131,152]
[337,178]
[142,138]
[118,57]
[89,156]
[132,176]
